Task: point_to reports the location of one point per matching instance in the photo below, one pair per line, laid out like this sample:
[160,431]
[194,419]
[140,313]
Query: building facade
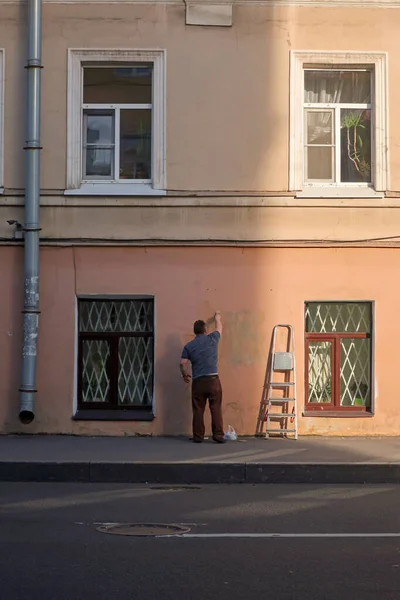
[199,156]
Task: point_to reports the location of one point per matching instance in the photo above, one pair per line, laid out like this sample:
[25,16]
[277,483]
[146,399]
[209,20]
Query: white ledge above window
[339,192]
[115,189]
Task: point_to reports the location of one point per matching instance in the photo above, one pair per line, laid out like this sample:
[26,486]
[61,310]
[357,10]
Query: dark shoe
[219,440]
[197,440]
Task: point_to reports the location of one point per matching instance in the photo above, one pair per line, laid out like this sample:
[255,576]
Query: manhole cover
[143,529]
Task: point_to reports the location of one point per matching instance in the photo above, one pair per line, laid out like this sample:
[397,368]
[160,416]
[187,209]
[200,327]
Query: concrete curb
[200,473]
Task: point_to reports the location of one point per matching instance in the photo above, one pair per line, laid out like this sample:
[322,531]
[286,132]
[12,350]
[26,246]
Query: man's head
[199,328]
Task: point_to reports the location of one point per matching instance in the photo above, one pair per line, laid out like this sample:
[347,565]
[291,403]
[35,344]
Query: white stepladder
[284,364]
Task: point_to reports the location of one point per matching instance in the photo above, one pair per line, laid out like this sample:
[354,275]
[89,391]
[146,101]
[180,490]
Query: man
[202,352]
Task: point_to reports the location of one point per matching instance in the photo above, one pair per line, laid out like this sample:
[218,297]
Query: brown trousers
[203,389]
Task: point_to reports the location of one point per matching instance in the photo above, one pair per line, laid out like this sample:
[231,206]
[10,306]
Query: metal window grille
[116,353]
[338,355]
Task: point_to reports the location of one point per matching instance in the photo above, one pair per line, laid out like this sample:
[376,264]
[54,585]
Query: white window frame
[116,110]
[76,184]
[375,61]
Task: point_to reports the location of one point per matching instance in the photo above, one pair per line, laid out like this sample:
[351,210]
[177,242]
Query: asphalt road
[50,548]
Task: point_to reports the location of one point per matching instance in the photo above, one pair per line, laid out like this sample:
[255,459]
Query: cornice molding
[208,3]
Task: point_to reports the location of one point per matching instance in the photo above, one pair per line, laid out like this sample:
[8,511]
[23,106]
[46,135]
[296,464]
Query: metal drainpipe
[32,204]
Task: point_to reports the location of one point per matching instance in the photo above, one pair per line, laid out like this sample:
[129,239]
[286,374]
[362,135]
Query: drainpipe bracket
[34,65]
[31,228]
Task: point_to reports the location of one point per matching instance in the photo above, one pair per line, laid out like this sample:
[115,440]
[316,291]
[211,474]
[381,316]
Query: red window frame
[334,339]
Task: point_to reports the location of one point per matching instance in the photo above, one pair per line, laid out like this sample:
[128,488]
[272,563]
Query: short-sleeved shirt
[202,352]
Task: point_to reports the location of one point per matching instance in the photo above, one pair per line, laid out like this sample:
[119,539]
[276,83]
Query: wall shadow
[260,426]
[11,361]
[173,410]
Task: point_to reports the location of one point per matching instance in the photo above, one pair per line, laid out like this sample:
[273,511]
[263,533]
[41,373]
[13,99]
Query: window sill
[339,192]
[338,414]
[138,414]
[115,189]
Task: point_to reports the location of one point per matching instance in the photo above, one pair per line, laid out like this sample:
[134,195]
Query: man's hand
[183,367]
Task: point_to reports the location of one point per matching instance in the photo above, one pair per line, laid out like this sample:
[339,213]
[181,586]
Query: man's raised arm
[218,322]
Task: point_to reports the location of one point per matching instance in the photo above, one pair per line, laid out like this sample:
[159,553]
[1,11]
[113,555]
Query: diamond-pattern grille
[342,317]
[339,355]
[116,353]
[355,367]
[320,372]
[95,379]
[115,316]
[135,381]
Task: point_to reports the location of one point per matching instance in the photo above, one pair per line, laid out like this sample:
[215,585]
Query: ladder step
[281,431]
[281,383]
[282,400]
[281,415]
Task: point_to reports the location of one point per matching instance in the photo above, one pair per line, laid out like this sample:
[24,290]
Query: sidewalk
[178,461]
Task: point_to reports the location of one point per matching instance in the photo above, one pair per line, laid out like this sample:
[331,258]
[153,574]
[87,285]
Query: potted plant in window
[353,124]
[359,393]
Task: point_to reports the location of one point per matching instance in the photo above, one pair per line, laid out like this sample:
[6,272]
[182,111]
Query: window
[338,122]
[117,104]
[338,356]
[116,356]
[337,126]
[116,141]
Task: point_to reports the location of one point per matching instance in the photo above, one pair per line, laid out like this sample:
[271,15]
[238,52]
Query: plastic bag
[231,434]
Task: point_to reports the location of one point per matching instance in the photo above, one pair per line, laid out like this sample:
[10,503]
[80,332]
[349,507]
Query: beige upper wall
[227,88]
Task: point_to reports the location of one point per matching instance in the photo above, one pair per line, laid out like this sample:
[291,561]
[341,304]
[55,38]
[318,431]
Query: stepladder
[280,396]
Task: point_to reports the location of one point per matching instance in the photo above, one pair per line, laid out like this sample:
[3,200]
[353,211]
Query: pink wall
[254,289]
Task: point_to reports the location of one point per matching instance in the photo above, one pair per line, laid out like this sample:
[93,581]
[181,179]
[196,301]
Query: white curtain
[350,87]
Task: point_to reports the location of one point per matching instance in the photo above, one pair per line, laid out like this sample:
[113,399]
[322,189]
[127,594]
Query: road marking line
[283,535]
